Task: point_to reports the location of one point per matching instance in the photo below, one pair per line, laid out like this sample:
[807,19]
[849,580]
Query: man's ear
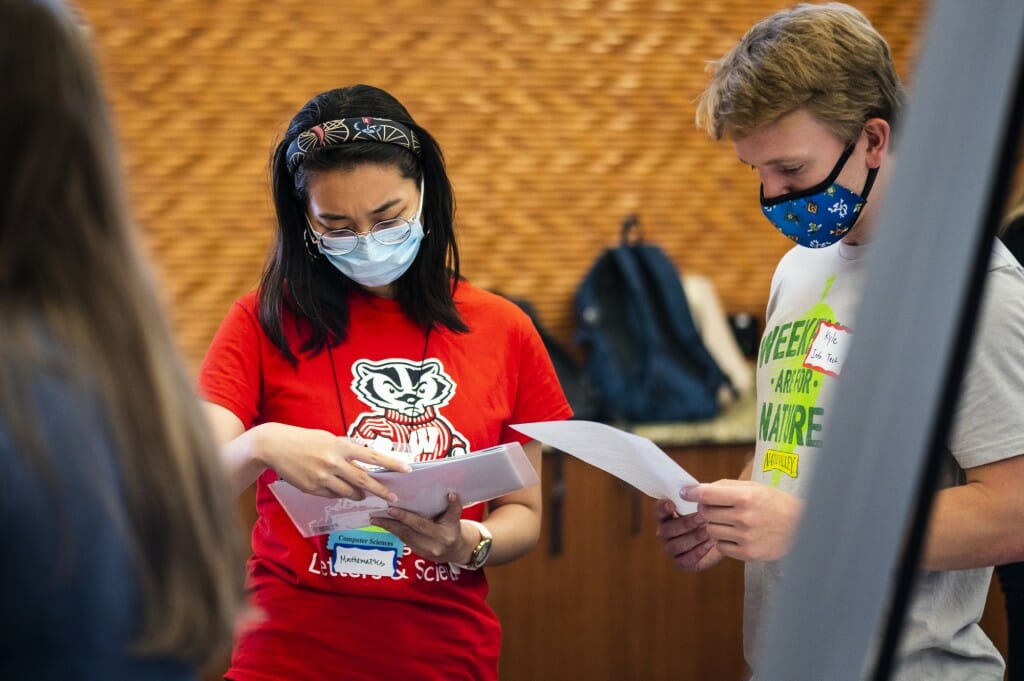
[878,133]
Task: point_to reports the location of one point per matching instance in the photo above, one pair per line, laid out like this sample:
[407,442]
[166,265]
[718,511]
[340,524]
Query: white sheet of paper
[629,457]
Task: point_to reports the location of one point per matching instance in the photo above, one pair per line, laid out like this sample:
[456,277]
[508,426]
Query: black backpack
[644,354]
[580,394]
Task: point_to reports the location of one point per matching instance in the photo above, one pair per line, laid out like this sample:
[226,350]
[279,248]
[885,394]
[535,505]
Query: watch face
[481,552]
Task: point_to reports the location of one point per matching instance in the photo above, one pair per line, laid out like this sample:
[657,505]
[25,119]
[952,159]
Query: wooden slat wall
[557,118]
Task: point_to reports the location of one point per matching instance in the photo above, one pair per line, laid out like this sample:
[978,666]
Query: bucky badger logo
[405,397]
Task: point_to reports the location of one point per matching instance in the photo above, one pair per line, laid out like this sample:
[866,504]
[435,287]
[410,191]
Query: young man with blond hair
[810,100]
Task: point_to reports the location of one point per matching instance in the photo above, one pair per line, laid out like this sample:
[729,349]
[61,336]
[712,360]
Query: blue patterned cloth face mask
[821,215]
[372,263]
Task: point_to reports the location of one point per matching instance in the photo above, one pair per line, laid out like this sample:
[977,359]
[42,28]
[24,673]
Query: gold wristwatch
[480,552]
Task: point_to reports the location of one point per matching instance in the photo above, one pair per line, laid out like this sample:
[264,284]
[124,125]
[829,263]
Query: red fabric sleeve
[230,372]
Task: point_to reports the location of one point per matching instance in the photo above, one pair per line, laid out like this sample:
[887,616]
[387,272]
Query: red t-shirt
[429,621]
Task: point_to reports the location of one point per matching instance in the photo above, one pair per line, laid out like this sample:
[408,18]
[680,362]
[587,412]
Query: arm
[240,465]
[514,521]
[979,523]
[315,461]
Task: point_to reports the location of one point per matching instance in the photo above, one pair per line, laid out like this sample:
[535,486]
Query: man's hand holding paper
[747,521]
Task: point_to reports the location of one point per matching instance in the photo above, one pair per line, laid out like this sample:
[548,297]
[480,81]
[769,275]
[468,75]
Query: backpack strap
[632,233]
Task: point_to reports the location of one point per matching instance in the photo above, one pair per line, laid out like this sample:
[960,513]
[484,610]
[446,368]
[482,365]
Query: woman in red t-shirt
[362,328]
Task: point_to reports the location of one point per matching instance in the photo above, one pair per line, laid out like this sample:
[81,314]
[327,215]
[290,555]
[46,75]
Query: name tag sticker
[829,348]
[366,552]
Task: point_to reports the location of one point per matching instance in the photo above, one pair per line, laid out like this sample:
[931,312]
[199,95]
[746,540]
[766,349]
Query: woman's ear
[878,133]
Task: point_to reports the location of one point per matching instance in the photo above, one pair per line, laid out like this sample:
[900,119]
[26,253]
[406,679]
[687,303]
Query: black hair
[83,327]
[311,288]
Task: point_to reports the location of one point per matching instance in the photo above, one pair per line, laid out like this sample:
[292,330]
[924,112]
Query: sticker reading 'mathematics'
[368,551]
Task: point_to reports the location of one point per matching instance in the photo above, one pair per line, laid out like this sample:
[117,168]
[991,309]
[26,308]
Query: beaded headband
[343,130]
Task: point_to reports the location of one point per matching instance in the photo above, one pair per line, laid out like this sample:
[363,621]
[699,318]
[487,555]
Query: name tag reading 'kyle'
[829,348]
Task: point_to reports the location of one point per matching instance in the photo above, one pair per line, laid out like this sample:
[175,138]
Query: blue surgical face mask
[374,264]
[822,215]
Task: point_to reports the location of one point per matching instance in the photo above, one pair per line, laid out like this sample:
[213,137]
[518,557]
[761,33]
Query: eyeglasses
[387,232]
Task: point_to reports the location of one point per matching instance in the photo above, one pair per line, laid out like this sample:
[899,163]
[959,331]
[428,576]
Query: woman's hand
[440,539]
[321,463]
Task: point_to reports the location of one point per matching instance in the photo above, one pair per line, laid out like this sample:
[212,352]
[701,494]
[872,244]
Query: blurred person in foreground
[121,550]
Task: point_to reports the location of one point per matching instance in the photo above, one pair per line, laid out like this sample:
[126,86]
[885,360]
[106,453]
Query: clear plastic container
[475,477]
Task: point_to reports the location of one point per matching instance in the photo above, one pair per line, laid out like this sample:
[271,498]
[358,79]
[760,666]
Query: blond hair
[827,59]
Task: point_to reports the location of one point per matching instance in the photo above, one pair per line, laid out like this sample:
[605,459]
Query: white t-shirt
[810,322]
